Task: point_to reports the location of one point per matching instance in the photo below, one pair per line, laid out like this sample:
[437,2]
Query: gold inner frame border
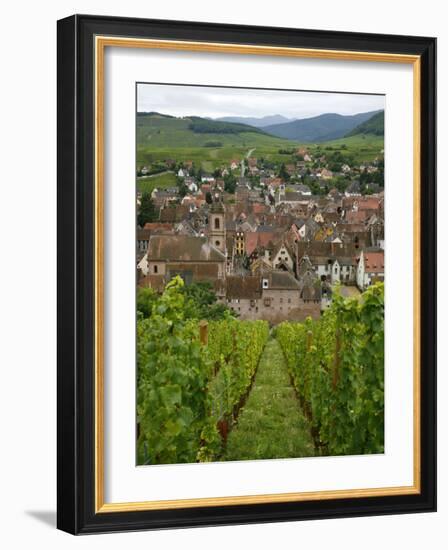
[101,42]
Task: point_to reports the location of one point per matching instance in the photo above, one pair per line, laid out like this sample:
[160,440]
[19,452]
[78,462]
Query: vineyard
[200,397]
[191,385]
[336,365]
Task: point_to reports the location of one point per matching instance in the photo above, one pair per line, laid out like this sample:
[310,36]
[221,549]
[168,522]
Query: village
[270,247]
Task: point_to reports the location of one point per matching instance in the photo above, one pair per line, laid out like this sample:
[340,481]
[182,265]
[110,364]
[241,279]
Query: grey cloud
[217,102]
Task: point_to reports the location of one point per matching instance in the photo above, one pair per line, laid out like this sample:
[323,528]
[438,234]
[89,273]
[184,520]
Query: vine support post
[203,332]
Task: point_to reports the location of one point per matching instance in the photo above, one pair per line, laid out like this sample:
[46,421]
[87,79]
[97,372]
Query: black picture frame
[76,256]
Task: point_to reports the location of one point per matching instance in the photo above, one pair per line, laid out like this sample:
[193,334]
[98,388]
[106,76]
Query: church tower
[217,226]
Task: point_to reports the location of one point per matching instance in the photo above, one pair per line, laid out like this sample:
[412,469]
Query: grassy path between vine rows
[271,424]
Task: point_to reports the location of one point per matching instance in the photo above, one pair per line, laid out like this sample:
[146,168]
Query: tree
[208,198]
[183,189]
[283,173]
[148,212]
[341,183]
[146,298]
[201,303]
[230,183]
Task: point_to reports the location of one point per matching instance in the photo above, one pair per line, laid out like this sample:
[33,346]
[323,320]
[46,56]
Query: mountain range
[373,126]
[320,128]
[258,122]
[161,130]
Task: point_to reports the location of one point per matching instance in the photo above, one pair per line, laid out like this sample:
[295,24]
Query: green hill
[355,149]
[372,126]
[319,128]
[157,130]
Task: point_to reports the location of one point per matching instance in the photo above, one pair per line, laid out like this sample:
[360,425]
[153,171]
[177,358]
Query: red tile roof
[253,240]
[258,208]
[353,216]
[368,203]
[374,262]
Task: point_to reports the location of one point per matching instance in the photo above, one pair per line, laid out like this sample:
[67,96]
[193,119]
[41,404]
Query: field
[159,181]
[359,148]
[362,148]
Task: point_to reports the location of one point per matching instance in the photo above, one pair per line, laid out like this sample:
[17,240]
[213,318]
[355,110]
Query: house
[370,268]
[142,241]
[375,228]
[186,228]
[368,203]
[353,190]
[239,243]
[256,239]
[172,213]
[332,262]
[293,235]
[356,216]
[309,229]
[283,257]
[303,189]
[271,295]
[193,258]
[190,201]
[326,174]
[281,298]
[143,266]
[163,197]
[191,184]
[260,265]
[275,183]
[289,197]
[318,217]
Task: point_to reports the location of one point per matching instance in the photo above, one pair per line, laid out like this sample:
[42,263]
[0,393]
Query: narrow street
[271,424]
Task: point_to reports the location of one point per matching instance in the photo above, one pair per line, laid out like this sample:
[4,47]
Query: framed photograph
[246,274]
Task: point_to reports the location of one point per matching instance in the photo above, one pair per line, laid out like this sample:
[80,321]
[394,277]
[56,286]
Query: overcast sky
[219,102]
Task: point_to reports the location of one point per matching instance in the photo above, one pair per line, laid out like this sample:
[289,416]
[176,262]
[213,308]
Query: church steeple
[217,226]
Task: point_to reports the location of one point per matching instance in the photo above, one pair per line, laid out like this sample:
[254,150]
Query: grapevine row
[187,390]
[336,365]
